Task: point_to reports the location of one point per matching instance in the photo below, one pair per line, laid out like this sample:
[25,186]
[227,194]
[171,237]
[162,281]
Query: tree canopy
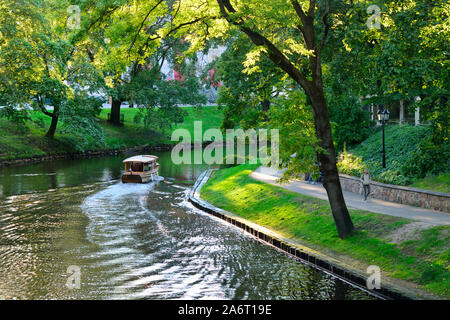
[39,66]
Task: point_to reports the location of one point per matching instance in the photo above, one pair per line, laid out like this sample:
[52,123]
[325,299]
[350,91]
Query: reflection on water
[134,240]
[68,173]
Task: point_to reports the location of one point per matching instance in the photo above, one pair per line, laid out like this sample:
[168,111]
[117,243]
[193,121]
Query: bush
[428,159]
[432,272]
[350,164]
[350,123]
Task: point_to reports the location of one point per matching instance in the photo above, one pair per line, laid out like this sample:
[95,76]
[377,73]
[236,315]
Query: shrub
[351,124]
[428,158]
[350,164]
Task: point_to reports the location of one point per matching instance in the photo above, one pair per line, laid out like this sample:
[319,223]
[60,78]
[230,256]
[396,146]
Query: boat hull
[139,177]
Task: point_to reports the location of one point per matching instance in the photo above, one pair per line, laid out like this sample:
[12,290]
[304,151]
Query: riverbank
[416,259]
[80,155]
[28,142]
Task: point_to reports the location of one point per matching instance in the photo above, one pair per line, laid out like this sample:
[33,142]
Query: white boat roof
[141,158]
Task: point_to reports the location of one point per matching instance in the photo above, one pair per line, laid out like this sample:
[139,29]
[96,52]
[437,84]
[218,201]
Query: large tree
[131,51]
[404,58]
[39,65]
[245,96]
[292,34]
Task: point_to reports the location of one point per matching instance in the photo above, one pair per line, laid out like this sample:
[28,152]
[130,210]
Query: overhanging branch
[274,54]
[327,26]
[142,24]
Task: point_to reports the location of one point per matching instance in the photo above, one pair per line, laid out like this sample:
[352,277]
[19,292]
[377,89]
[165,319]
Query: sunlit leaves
[298,143]
[40,65]
[253,57]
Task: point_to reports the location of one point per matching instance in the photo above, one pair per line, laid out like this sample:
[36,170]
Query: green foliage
[435,107]
[350,163]
[79,120]
[403,60]
[428,159]
[350,122]
[26,140]
[401,141]
[158,98]
[433,273]
[409,155]
[15,114]
[292,116]
[123,44]
[38,63]
[440,183]
[245,96]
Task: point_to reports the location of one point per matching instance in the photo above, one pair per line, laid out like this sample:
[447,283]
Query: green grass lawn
[210,117]
[439,183]
[133,134]
[423,260]
[20,141]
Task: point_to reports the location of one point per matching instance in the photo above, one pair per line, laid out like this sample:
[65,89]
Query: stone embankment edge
[88,154]
[297,251]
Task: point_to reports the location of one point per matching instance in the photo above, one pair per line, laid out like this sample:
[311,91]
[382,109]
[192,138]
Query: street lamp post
[383,116]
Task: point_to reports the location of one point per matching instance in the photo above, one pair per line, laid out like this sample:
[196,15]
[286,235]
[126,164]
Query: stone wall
[90,154]
[80,155]
[399,194]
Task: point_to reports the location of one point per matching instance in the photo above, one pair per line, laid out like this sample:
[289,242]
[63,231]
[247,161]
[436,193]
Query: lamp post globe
[386,115]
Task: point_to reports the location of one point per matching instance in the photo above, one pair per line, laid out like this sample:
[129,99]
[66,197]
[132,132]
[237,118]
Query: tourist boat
[140,169]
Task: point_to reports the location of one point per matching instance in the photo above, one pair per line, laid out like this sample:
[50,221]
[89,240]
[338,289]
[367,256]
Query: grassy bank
[420,257]
[438,183]
[210,116]
[20,141]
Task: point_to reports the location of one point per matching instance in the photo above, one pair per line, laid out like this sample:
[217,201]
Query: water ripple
[141,241]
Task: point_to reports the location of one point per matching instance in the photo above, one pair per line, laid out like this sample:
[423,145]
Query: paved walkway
[356,200]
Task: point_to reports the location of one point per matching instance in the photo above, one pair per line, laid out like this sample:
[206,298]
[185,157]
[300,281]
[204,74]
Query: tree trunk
[327,161]
[340,290]
[265,108]
[265,105]
[402,112]
[115,112]
[314,89]
[55,115]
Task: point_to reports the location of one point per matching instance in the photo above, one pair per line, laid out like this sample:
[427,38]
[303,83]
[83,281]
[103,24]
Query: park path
[355,200]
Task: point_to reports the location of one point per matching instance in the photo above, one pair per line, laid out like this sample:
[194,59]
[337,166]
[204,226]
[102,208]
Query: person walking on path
[365,179]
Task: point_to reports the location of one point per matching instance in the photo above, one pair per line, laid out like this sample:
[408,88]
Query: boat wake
[152,243]
[119,224]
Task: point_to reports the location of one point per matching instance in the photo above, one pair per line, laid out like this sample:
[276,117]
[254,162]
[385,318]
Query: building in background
[203,60]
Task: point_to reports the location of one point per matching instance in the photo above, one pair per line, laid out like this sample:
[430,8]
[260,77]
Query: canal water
[134,241]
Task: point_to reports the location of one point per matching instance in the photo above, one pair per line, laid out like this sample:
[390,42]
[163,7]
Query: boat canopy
[142,158]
